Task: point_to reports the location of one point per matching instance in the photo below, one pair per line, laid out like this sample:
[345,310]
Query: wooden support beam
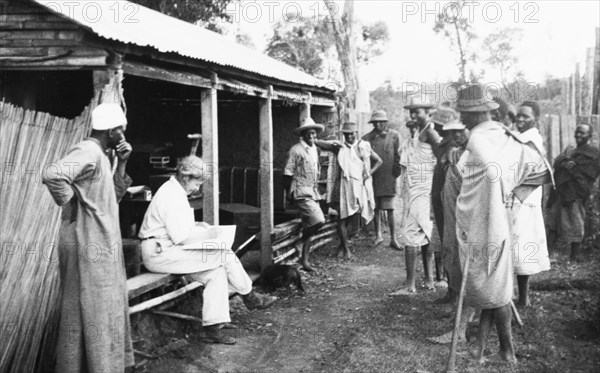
[266,177]
[304,111]
[166,75]
[210,154]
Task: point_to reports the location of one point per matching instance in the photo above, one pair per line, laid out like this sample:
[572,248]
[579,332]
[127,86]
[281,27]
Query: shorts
[384,202]
[311,212]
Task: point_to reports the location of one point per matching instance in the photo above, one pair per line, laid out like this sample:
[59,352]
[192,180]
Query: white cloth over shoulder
[528,235]
[356,193]
[419,161]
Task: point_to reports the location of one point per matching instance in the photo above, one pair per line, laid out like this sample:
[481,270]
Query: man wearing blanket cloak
[498,164]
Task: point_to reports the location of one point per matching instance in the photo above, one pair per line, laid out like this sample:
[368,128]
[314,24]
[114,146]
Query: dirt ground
[347,323]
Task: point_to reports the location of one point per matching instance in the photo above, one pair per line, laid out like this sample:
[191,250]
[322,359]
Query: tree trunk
[343,30]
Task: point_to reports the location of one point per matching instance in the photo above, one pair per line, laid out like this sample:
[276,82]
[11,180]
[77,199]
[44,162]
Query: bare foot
[403,291]
[429,285]
[522,303]
[307,267]
[394,245]
[348,255]
[378,241]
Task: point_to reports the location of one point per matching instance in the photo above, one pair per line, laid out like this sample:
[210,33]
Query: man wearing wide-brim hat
[90,256]
[301,176]
[482,227]
[386,143]
[418,160]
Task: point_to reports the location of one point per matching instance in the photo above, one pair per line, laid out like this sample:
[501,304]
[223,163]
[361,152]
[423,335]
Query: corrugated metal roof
[132,23]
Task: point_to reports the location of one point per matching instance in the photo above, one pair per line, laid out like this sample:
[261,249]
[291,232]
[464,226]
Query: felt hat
[474,98]
[378,116]
[454,124]
[308,124]
[349,127]
[418,101]
[443,115]
[108,116]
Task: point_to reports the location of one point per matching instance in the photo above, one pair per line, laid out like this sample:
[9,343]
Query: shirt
[303,166]
[169,214]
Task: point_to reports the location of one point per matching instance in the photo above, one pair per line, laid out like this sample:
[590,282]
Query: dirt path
[347,323]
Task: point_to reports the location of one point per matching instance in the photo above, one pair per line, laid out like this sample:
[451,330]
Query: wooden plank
[164,74]
[145,282]
[587,94]
[164,298]
[266,177]
[596,85]
[554,144]
[577,89]
[210,153]
[595,123]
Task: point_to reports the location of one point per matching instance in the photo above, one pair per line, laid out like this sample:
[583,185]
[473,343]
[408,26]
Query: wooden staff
[450,368]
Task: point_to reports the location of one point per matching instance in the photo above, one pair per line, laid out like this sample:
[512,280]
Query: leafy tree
[209,13]
[303,44]
[459,32]
[499,47]
[330,48]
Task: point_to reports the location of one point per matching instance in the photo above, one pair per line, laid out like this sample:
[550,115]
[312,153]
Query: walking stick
[450,368]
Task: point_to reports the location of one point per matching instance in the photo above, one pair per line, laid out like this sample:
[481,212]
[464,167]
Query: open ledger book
[209,237]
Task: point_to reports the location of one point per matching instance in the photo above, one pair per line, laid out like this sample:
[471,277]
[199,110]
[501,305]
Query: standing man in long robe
[356,183]
[94,332]
[498,163]
[386,143]
[530,248]
[419,160]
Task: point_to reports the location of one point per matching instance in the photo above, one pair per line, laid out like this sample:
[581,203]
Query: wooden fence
[580,101]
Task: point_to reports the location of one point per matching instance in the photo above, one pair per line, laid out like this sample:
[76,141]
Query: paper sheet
[206,237]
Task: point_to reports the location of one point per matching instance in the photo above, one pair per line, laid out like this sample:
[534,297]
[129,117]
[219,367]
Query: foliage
[303,44]
[499,48]
[310,46]
[459,32]
[373,41]
[210,13]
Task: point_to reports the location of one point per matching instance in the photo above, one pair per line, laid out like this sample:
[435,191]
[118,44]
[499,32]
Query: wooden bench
[147,282]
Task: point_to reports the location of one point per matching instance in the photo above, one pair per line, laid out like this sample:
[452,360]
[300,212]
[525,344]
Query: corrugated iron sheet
[134,24]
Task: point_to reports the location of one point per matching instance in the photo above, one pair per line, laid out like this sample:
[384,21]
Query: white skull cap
[108,116]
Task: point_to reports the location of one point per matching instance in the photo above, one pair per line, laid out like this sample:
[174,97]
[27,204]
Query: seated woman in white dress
[168,223]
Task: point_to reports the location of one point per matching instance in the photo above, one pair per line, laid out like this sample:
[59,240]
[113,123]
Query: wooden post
[587,94]
[554,148]
[577,100]
[305,108]
[572,95]
[266,178]
[596,84]
[210,152]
